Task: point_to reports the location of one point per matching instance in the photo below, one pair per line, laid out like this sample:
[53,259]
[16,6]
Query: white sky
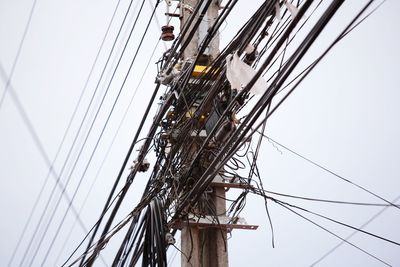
[344,116]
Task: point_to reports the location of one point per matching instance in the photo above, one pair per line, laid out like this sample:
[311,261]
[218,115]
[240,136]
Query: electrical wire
[182,175]
[62,141]
[103,129]
[352,234]
[331,201]
[16,58]
[332,233]
[341,223]
[71,149]
[220,160]
[331,172]
[36,139]
[141,41]
[106,155]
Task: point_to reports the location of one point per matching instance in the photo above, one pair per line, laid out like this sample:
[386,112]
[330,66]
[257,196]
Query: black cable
[239,139]
[253,169]
[123,166]
[331,172]
[99,220]
[91,229]
[340,36]
[80,151]
[311,67]
[130,179]
[345,33]
[249,85]
[113,140]
[187,129]
[119,259]
[125,161]
[220,160]
[341,223]
[332,233]
[352,234]
[214,127]
[330,200]
[109,234]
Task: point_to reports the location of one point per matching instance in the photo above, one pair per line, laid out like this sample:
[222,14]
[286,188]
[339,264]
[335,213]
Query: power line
[111,144]
[76,137]
[349,30]
[330,200]
[352,234]
[331,172]
[77,134]
[341,223]
[91,229]
[332,233]
[21,43]
[80,151]
[108,235]
[126,158]
[36,138]
[63,138]
[232,144]
[309,199]
[196,193]
[104,127]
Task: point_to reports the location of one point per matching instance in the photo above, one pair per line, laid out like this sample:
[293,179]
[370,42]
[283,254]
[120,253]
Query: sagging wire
[331,172]
[332,233]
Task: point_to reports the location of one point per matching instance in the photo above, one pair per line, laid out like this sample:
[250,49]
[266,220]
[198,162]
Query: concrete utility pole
[204,233]
[204,245]
[187,7]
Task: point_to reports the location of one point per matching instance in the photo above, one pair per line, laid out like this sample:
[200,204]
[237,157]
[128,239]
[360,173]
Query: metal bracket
[219,181]
[222,222]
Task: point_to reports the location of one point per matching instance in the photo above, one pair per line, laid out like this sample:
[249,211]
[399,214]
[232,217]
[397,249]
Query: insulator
[167,33]
[169,239]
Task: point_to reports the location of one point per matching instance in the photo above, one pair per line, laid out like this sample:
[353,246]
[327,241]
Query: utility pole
[204,230]
[187,7]
[203,245]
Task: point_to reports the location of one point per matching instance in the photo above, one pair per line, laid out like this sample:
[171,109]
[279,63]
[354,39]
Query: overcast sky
[345,116]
